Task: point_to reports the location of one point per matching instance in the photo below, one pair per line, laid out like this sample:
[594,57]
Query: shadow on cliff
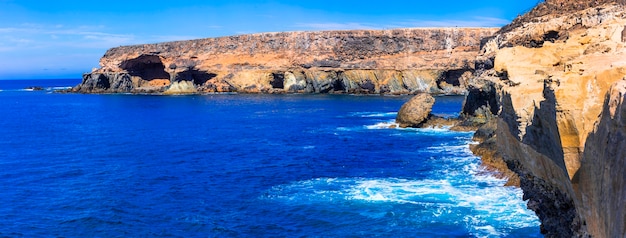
[601,175]
[543,134]
[481,103]
[453,77]
[147,67]
[198,77]
[555,208]
[509,115]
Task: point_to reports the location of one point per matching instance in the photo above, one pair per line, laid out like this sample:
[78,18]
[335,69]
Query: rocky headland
[550,87]
[401,61]
[548,92]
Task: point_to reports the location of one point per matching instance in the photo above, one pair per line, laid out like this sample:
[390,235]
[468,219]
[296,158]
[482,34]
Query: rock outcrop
[401,61]
[552,81]
[416,111]
[603,192]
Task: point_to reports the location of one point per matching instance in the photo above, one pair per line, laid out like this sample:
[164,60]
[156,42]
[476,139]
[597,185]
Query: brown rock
[602,175]
[416,111]
[491,159]
[556,127]
[400,61]
[180,88]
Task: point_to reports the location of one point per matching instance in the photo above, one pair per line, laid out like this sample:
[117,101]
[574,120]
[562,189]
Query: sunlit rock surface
[401,61]
[554,77]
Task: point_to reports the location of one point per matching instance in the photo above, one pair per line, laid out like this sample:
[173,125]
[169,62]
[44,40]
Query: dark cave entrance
[452,77]
[338,85]
[278,81]
[551,36]
[198,77]
[147,67]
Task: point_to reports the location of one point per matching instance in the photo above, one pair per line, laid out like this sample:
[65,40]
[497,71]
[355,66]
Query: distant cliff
[401,61]
[554,81]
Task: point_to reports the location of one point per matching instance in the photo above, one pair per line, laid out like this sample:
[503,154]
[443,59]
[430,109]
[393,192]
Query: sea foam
[485,211]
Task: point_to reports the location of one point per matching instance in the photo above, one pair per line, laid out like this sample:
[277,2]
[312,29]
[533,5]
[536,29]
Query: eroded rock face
[416,111]
[106,83]
[556,127]
[181,87]
[402,61]
[602,168]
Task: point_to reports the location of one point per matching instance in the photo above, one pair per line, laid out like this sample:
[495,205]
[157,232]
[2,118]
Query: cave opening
[278,81]
[551,36]
[452,77]
[367,86]
[338,85]
[147,67]
[198,77]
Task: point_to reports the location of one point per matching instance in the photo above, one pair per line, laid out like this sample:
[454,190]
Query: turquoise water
[78,165]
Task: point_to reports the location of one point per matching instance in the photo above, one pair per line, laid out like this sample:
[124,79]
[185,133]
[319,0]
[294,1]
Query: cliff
[401,61]
[554,82]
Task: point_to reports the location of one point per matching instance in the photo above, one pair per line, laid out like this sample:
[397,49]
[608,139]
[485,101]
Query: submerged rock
[35,88]
[416,111]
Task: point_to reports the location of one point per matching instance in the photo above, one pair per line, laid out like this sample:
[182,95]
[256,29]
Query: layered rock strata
[401,61]
[553,83]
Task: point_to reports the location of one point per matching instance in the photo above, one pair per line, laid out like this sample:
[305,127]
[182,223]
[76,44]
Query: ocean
[225,165]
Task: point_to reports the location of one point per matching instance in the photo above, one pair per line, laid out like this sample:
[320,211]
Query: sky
[64,39]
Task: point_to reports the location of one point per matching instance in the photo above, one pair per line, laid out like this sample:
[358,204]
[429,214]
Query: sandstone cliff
[401,61]
[554,78]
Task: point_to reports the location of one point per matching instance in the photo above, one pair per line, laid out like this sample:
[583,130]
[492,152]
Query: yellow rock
[556,95]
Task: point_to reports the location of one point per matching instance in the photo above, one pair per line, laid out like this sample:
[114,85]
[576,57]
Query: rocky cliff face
[554,78]
[398,61]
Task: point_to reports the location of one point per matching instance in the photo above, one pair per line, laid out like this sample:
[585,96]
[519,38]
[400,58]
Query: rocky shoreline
[400,61]
[548,98]
[554,82]
[416,113]
[545,94]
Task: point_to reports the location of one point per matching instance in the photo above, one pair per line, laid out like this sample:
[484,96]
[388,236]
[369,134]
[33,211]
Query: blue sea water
[75,165]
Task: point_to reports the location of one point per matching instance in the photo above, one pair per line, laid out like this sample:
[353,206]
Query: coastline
[548,89]
[399,61]
[554,81]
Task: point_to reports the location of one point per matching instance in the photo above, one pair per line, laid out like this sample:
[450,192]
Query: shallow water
[78,165]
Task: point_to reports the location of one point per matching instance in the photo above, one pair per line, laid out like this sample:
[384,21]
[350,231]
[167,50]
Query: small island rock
[35,88]
[416,111]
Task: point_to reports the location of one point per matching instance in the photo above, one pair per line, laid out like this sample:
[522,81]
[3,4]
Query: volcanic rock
[400,61]
[35,88]
[555,92]
[416,111]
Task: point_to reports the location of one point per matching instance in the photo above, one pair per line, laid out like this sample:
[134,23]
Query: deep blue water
[76,165]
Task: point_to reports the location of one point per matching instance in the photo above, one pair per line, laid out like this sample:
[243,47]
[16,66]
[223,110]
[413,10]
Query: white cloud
[15,30]
[30,36]
[29,47]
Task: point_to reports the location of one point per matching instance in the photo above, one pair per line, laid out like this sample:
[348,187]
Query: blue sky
[63,39]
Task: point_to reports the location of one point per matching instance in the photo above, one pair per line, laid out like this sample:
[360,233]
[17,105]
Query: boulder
[416,111]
